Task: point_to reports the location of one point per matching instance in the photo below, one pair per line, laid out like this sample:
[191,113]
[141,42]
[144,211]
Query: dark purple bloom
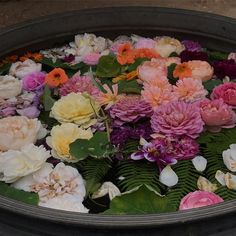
[225,68]
[192,46]
[69,58]
[155,152]
[193,55]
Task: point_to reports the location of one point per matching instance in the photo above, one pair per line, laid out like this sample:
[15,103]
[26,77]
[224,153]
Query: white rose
[21,69]
[9,87]
[16,164]
[17,131]
[167,45]
[229,157]
[56,186]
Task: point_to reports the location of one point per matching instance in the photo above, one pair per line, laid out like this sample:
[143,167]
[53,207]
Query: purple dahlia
[225,68]
[193,55]
[191,46]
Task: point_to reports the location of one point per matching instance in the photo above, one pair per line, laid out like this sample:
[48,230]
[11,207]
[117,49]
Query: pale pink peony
[151,70]
[161,83]
[201,70]
[178,118]
[130,109]
[79,84]
[227,92]
[189,90]
[168,60]
[145,43]
[156,96]
[199,199]
[216,114]
[91,59]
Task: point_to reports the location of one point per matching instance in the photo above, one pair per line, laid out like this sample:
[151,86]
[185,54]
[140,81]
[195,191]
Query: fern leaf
[94,172]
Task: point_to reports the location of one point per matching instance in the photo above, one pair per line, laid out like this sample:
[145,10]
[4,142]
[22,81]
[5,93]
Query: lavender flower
[192,46]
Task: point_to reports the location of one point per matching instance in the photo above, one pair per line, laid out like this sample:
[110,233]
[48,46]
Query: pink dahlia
[199,199]
[189,90]
[178,118]
[180,147]
[216,114]
[130,109]
[79,84]
[227,92]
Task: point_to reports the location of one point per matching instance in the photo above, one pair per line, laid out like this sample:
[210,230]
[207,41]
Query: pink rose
[91,59]
[199,199]
[201,70]
[227,92]
[152,70]
[34,81]
[216,114]
[145,43]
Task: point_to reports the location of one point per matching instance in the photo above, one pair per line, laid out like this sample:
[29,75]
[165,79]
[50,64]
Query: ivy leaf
[108,67]
[19,195]
[131,86]
[137,62]
[48,101]
[98,147]
[141,201]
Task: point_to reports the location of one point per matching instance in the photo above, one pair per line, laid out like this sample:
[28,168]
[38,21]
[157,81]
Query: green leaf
[171,69]
[131,86]
[94,171]
[48,101]
[211,84]
[98,146]
[19,195]
[45,118]
[137,62]
[216,56]
[108,67]
[142,201]
[5,69]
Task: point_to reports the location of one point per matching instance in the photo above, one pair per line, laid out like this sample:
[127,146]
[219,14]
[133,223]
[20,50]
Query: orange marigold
[182,70]
[56,77]
[34,56]
[126,54]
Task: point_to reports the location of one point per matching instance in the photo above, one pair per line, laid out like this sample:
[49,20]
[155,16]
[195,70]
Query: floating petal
[168,177]
[199,163]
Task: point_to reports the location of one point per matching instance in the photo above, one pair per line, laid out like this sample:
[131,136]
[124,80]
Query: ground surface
[14,11]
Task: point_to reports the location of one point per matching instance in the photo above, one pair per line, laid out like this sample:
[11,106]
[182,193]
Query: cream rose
[15,164]
[167,45]
[62,136]
[17,131]
[79,108]
[9,87]
[20,69]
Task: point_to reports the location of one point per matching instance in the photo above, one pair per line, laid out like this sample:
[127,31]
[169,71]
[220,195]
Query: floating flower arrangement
[101,126]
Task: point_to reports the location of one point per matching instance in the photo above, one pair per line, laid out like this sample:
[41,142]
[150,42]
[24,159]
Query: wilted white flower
[205,185]
[15,164]
[229,157]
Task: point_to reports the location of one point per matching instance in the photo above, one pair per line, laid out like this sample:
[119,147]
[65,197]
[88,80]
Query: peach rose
[199,199]
[17,131]
[201,70]
[227,92]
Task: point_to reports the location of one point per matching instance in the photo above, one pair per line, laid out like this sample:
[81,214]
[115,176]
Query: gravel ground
[14,11]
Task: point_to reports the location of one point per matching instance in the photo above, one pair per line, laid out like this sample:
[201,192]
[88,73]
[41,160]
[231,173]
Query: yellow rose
[78,108]
[167,45]
[61,138]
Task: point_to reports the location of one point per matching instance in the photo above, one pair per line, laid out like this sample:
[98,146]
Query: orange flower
[56,77]
[146,52]
[126,54]
[129,76]
[33,56]
[182,71]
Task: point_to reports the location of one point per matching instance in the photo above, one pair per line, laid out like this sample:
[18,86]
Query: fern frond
[225,193]
[94,172]
[131,174]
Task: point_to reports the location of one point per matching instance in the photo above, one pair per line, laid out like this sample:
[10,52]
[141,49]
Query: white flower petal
[199,163]
[142,141]
[228,160]
[168,177]
[220,177]
[107,188]
[233,151]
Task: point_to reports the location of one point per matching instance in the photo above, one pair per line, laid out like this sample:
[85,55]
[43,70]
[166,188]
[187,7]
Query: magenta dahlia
[79,84]
[130,109]
[178,118]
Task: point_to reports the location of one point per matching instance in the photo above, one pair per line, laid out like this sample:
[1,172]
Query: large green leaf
[98,146]
[131,86]
[108,67]
[19,195]
[141,201]
[48,101]
[211,84]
